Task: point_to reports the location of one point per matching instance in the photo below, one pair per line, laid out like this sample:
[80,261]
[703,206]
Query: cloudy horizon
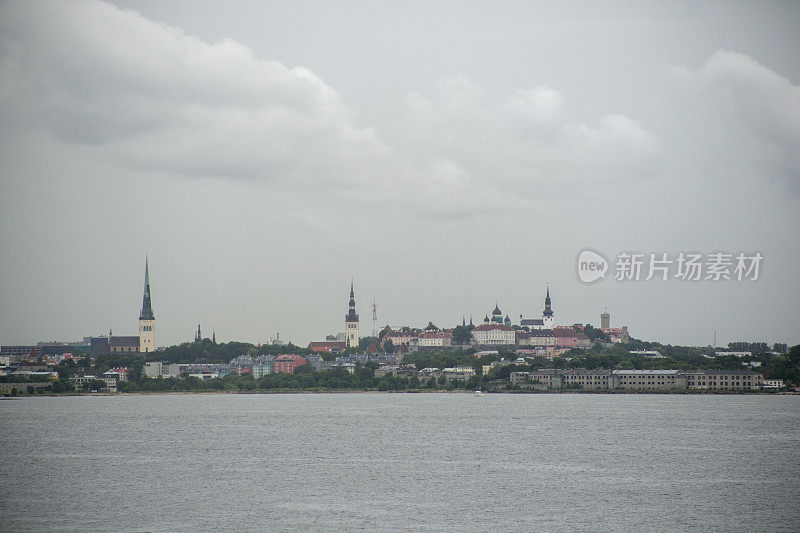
[446,157]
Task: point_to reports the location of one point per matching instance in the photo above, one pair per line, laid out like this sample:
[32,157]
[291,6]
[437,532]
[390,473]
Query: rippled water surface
[426,462]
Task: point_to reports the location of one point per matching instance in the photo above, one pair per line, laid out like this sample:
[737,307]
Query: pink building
[569,337]
[288,363]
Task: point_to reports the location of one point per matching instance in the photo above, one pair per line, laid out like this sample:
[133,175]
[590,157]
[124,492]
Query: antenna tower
[374,318]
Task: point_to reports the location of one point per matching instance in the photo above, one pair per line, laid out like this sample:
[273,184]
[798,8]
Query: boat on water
[478,393]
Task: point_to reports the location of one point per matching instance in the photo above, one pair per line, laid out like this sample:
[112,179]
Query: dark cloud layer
[446,161]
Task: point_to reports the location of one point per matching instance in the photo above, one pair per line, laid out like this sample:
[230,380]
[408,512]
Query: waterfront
[426,462]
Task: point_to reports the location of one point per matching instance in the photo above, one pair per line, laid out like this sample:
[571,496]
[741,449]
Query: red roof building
[288,363]
[327,346]
[491,333]
[571,338]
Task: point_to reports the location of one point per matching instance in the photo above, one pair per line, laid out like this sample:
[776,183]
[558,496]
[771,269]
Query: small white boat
[478,393]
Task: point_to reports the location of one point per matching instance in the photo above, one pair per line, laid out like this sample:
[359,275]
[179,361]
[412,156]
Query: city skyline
[145,339]
[263,157]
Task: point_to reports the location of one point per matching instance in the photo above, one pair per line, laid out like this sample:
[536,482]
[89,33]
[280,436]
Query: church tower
[147,321]
[351,321]
[547,314]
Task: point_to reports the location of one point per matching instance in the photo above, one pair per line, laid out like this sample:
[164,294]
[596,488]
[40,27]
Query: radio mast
[374,318]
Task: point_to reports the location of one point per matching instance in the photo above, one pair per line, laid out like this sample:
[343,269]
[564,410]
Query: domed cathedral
[351,321]
[497,317]
[147,321]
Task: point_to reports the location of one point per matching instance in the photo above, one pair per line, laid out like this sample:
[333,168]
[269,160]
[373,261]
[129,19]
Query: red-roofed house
[571,338]
[400,338]
[435,338]
[493,334]
[327,346]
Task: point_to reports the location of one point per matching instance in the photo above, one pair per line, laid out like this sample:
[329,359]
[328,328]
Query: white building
[434,339]
[493,333]
[153,369]
[261,369]
[205,375]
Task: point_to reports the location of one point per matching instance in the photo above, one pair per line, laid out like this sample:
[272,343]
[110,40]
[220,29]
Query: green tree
[462,335]
[364,342]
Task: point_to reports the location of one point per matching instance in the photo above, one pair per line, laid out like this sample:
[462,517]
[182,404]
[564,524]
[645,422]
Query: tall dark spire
[351,311]
[548,311]
[198,337]
[147,309]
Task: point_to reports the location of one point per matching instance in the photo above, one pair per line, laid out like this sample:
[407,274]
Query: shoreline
[420,391]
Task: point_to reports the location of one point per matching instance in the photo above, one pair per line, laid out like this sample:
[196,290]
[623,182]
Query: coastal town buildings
[401,338]
[617,335]
[570,337]
[639,380]
[725,380]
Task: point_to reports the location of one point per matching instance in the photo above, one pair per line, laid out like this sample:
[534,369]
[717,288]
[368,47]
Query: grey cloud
[529,140]
[159,99]
[768,104]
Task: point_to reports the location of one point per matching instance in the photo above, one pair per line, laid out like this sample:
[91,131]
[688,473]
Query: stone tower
[351,321]
[605,320]
[147,321]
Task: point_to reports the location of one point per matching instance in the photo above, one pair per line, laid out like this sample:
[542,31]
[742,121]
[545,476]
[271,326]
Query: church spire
[351,307]
[351,321]
[147,309]
[548,311]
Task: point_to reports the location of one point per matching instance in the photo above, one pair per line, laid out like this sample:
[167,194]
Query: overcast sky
[446,155]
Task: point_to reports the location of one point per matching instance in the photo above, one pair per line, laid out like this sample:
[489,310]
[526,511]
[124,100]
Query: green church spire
[147,310]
